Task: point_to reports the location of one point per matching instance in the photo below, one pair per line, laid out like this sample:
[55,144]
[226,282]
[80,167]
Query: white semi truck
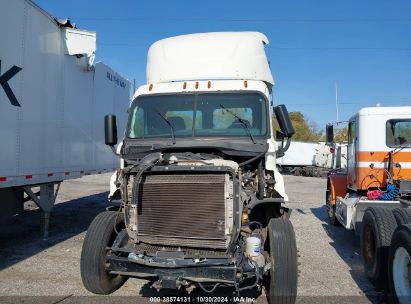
[203,203]
[372,196]
[52,103]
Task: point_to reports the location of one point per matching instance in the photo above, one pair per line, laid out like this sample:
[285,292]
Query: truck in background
[203,203]
[372,196]
[313,159]
[52,103]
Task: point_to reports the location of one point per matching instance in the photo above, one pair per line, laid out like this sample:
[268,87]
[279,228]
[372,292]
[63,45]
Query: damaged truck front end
[183,220]
[202,202]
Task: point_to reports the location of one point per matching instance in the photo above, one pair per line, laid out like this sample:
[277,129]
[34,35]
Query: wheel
[99,236]
[297,172]
[331,210]
[402,215]
[281,284]
[399,266]
[377,229]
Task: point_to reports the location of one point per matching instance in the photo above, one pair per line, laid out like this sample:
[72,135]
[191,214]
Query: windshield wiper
[247,128]
[402,146]
[169,123]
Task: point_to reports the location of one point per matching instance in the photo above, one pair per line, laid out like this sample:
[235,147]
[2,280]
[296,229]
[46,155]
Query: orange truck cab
[378,169]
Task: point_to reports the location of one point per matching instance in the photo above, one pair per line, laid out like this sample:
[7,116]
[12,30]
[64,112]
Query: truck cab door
[351,154]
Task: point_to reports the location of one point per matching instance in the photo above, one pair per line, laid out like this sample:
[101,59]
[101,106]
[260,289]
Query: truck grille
[182,210]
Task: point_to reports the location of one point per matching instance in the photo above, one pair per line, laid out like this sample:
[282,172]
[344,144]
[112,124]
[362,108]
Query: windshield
[199,115]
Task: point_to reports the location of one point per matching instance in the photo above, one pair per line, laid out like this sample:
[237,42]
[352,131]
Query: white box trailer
[312,158]
[299,154]
[52,105]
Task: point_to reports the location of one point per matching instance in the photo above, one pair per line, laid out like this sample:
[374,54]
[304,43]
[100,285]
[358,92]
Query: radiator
[182,210]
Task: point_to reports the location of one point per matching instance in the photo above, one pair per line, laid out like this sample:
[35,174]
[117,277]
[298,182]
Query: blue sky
[364,46]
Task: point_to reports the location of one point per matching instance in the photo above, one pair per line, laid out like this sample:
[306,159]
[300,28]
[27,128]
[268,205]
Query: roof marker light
[150,87]
[197,84]
[245,83]
[209,84]
[185,85]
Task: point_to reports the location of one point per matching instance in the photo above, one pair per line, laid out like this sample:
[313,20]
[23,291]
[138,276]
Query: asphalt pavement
[32,269]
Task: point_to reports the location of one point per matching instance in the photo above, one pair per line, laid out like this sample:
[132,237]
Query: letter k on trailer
[4,78]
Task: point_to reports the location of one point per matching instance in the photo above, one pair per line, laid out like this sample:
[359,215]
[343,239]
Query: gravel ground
[330,262]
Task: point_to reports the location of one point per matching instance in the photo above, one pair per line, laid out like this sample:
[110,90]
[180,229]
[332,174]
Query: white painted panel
[110,92]
[78,97]
[219,55]
[11,39]
[372,126]
[79,42]
[41,91]
[299,154]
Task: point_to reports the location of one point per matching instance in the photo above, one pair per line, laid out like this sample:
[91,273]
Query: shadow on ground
[347,244]
[20,236]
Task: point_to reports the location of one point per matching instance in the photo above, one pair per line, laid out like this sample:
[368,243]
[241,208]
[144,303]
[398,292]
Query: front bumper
[174,271]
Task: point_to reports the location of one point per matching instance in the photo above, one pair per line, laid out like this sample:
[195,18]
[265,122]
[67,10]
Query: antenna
[336,99]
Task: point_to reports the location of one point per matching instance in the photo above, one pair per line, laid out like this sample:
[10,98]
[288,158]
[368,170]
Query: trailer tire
[100,234]
[398,267]
[378,226]
[281,284]
[402,216]
[297,171]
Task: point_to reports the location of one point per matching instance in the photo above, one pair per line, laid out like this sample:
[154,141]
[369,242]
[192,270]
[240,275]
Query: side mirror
[329,133]
[284,120]
[110,130]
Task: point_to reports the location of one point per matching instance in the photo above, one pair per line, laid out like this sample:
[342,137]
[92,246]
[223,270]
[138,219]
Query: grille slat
[181,210]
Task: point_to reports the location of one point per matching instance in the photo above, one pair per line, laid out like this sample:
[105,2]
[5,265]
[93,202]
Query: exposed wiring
[254,158]
[206,290]
[116,219]
[254,284]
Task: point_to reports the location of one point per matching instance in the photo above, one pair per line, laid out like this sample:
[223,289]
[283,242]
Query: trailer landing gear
[45,199]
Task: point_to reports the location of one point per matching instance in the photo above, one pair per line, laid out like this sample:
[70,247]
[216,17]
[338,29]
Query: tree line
[308,131]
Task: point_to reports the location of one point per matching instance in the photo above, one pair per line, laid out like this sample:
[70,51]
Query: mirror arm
[113,148]
[281,151]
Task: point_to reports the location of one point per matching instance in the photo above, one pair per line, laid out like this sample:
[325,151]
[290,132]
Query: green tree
[305,130]
[341,135]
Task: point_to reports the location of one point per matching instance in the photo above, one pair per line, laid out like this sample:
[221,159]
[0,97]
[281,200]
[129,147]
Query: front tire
[332,219]
[281,284]
[377,230]
[399,266]
[99,236]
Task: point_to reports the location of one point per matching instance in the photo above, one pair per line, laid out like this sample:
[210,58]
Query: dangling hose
[390,194]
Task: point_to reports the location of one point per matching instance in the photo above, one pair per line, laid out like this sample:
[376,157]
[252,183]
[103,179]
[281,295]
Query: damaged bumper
[174,270]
